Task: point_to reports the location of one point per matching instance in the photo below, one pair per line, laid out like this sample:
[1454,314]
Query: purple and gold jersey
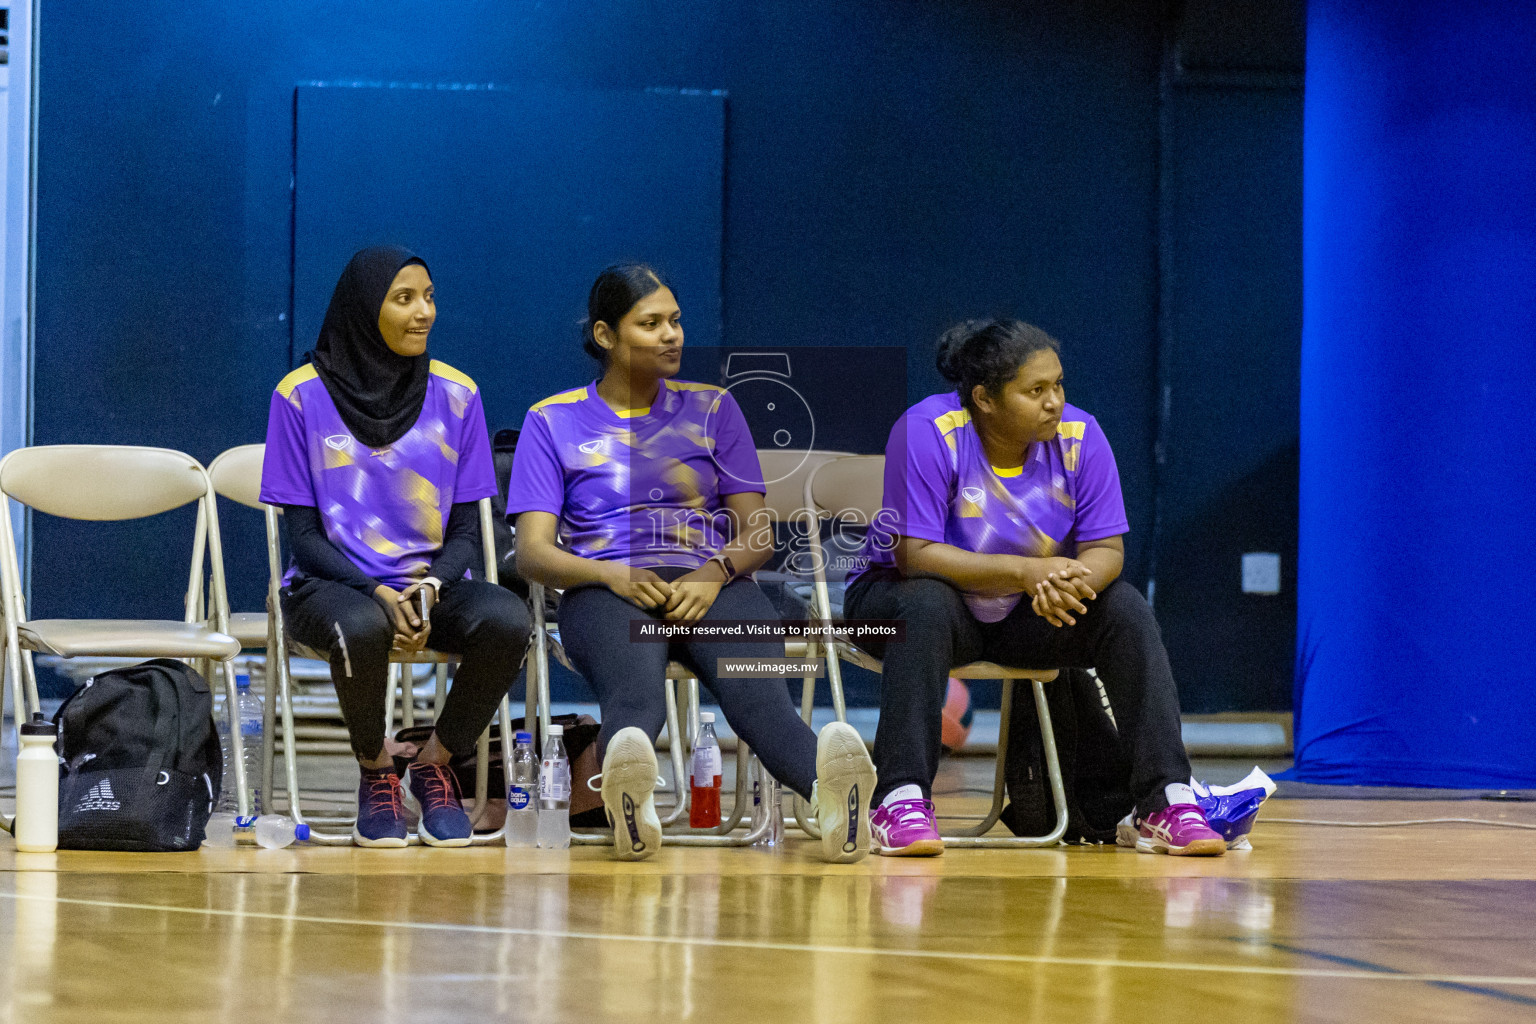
[940,487]
[384,508]
[644,487]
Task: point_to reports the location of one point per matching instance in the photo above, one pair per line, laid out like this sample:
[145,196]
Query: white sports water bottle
[554,829]
[37,788]
[273,831]
[523,794]
[250,718]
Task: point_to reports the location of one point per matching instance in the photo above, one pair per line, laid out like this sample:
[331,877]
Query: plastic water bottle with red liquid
[704,775]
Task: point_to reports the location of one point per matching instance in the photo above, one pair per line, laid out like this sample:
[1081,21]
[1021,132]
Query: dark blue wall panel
[512,197]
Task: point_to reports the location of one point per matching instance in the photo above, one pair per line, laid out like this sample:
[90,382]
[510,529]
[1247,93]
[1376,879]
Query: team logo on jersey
[338,441]
[590,447]
[972,494]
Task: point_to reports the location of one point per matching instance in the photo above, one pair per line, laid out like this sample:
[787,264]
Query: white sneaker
[629,786]
[845,778]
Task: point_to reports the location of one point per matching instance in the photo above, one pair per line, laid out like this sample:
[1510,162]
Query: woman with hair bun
[1001,540]
[654,488]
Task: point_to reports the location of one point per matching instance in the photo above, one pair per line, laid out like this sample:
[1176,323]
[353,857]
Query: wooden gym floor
[1315,924]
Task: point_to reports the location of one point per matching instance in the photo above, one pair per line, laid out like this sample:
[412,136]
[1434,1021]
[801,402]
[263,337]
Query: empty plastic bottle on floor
[704,776]
[523,794]
[554,829]
[220,830]
[250,718]
[273,831]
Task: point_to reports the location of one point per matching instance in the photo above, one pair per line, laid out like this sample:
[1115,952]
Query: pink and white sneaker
[1180,830]
[906,828]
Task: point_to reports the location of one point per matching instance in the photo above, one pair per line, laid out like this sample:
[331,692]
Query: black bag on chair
[142,761]
[1095,772]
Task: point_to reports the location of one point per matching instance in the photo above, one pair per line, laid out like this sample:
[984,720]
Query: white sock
[907,792]
[1178,793]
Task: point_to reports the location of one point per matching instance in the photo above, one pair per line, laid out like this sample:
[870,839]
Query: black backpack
[142,761]
[1095,768]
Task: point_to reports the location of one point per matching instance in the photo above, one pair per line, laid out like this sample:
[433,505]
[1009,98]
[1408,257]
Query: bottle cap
[557,730]
[706,718]
[39,726]
[242,681]
[522,737]
[301,833]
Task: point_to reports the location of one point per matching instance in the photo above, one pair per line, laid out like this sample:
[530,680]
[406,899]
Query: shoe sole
[1198,848]
[919,848]
[387,843]
[845,778]
[431,840]
[629,787]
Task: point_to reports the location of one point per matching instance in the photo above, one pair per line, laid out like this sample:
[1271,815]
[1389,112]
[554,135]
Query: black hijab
[379,393]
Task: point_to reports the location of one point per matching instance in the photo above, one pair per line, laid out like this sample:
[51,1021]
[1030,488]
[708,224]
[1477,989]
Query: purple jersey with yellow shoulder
[644,487]
[384,508]
[939,486]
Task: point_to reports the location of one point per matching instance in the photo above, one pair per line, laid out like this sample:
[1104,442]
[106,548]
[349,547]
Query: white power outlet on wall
[1261,572]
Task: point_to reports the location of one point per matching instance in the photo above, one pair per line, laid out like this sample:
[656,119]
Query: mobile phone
[421,595]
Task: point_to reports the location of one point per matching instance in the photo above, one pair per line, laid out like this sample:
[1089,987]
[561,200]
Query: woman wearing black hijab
[378,456]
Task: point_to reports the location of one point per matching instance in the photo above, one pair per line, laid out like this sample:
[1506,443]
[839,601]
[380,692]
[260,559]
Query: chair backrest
[785,474]
[102,482]
[236,474]
[855,484]
[106,483]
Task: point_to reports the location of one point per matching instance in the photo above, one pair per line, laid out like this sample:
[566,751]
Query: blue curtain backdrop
[1416,646]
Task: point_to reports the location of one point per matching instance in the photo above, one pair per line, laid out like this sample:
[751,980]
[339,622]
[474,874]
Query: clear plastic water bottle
[523,794]
[250,719]
[273,831]
[704,775]
[767,803]
[226,830]
[220,830]
[554,828]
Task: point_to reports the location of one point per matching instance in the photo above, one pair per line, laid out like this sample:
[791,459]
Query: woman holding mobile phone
[378,456]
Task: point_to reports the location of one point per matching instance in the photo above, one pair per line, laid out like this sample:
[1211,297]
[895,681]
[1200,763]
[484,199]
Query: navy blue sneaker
[380,810]
[443,821]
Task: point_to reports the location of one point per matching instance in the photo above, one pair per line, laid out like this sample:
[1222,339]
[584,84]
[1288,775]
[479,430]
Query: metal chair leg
[676,750]
[976,836]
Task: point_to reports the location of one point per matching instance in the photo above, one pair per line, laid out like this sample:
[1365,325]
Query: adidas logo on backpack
[99,798]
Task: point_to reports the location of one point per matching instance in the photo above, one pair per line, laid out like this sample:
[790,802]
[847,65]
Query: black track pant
[628,677]
[1118,637]
[486,625]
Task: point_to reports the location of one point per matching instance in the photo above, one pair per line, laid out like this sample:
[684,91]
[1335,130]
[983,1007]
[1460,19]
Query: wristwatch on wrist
[725,563]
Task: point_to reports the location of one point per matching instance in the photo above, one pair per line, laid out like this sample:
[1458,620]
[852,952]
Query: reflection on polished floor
[1327,924]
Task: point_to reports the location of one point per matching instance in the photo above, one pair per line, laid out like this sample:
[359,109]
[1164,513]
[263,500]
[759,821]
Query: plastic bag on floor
[1232,810]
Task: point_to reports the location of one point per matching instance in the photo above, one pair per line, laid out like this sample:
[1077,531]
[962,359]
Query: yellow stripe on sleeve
[447,372]
[287,384]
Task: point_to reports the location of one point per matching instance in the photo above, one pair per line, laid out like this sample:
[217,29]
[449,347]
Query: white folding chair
[114,483]
[236,475]
[282,646]
[545,642]
[852,489]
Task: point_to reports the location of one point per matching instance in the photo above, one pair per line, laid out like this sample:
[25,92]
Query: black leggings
[628,677]
[484,624]
[1118,636]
